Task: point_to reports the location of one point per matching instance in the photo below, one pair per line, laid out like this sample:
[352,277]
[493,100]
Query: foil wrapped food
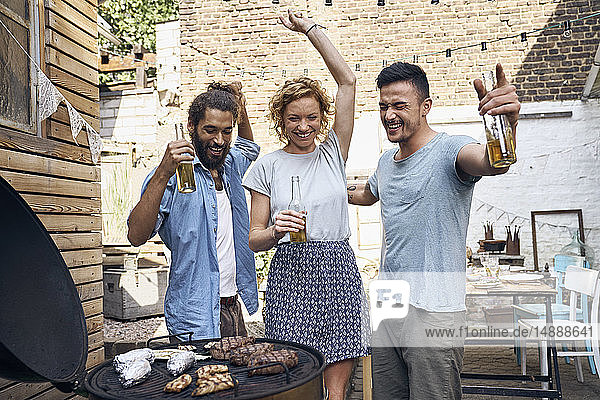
[135,372]
[179,362]
[121,361]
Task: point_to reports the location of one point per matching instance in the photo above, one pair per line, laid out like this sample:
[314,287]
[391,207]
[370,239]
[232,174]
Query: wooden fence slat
[94,323]
[73,83]
[50,185]
[69,30]
[25,162]
[71,223]
[95,340]
[72,241]
[62,115]
[95,357]
[92,307]
[79,258]
[71,65]
[85,23]
[90,290]
[62,205]
[58,41]
[33,144]
[88,274]
[62,131]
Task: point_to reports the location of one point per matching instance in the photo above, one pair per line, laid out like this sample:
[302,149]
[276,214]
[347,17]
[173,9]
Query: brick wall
[247,35]
[555,168]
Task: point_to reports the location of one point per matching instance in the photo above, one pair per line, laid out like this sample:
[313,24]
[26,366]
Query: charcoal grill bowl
[306,379]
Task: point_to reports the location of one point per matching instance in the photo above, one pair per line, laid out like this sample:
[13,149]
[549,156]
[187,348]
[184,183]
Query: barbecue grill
[301,382]
[43,334]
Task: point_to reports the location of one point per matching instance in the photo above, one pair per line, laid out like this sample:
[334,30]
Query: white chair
[579,282]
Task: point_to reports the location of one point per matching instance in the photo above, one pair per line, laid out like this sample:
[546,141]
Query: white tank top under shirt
[225,247]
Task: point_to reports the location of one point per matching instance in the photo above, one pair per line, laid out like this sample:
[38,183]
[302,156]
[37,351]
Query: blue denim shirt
[187,224]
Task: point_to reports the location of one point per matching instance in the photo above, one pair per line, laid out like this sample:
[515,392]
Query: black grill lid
[43,335]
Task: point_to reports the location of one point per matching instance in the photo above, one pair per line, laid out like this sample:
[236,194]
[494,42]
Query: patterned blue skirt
[315,297]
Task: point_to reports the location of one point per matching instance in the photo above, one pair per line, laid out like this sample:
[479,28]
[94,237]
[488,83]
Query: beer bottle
[186,183]
[498,132]
[297,205]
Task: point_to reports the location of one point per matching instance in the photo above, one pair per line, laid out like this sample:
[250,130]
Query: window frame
[33,27]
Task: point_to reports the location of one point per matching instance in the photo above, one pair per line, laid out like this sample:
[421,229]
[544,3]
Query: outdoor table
[515,290]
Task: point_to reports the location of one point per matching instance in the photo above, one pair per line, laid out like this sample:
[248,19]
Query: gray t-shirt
[322,184]
[425,212]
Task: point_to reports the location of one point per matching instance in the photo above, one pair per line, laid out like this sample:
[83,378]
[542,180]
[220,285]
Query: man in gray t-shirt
[425,187]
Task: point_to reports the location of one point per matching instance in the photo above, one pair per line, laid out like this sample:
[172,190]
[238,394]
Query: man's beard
[209,162]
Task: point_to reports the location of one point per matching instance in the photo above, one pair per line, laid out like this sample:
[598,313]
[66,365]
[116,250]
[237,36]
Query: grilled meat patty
[288,357]
[241,355]
[221,350]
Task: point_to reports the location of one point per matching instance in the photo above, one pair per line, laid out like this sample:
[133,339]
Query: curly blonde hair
[295,89]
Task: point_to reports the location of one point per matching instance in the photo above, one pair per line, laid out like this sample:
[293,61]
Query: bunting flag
[494,214]
[49,97]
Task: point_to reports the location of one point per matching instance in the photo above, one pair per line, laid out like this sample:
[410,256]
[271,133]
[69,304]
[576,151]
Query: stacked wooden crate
[135,280]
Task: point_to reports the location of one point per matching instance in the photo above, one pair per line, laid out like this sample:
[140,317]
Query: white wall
[557,168]
[129,115]
[168,52]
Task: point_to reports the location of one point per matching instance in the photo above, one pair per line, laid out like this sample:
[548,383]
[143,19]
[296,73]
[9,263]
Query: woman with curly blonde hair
[314,292]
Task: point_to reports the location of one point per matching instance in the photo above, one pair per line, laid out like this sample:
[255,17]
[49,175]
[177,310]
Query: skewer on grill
[178,384]
[214,383]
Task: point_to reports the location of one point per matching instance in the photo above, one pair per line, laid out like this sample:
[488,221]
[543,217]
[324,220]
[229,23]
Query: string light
[567,29]
[435,2]
[275,1]
[565,26]
[381,3]
[328,2]
[357,67]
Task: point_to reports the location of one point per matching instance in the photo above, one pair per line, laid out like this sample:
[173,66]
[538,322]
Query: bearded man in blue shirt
[207,230]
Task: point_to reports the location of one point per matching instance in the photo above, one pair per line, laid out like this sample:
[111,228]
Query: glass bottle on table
[186,183]
[297,205]
[498,132]
[579,252]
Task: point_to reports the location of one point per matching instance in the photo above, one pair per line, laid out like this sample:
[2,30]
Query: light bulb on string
[381,3]
[328,2]
[435,2]
[448,53]
[523,36]
[483,46]
[567,32]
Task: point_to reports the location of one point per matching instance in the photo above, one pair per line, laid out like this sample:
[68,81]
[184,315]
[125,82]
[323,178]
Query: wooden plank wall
[56,176]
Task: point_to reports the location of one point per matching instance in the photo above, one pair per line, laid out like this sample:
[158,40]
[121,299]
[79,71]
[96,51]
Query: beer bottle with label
[186,183]
[297,205]
[498,132]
